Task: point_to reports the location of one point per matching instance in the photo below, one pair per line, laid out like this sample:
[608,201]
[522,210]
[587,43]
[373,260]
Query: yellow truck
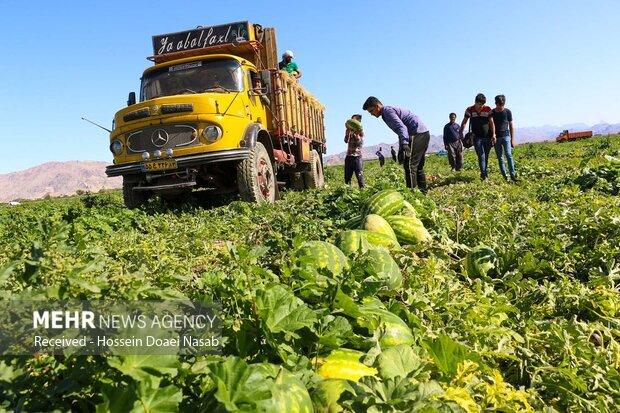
[216,114]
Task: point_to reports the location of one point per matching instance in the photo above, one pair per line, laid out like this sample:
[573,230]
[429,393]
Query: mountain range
[66,178]
[56,179]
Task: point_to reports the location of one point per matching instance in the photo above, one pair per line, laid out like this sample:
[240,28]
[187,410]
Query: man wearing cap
[288,65]
[413,138]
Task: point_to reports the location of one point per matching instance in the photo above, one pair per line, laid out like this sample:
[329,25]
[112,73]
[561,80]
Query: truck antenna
[96,124]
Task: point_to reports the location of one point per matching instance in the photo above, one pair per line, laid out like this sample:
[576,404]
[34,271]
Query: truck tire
[255,177]
[314,176]
[133,199]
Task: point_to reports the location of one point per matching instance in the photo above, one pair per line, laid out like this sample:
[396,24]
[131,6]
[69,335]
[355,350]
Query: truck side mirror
[265,77]
[131,100]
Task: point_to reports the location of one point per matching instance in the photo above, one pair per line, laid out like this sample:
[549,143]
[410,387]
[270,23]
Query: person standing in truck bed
[353,161]
[288,65]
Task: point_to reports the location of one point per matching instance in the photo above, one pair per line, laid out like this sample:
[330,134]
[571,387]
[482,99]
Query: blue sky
[556,61]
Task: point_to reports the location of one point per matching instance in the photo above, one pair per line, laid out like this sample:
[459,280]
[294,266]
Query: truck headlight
[212,133]
[116,147]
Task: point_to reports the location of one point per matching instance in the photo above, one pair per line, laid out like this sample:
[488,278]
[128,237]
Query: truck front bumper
[182,161]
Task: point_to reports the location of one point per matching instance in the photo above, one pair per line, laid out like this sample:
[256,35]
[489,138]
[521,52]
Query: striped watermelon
[376,223]
[480,261]
[354,125]
[345,364]
[391,328]
[322,255]
[409,210]
[385,203]
[409,230]
[359,240]
[380,265]
[354,222]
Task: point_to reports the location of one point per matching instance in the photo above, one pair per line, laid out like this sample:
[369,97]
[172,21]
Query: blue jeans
[503,146]
[483,148]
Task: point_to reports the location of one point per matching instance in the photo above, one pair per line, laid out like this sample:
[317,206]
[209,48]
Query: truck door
[250,100]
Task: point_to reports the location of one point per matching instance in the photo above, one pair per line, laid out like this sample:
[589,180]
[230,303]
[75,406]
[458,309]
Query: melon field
[479,296]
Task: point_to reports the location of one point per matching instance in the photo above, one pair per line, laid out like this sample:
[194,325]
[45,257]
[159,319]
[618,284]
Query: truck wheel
[133,199]
[314,176]
[255,176]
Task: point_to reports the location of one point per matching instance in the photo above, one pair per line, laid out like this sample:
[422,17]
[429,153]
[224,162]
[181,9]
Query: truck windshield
[222,76]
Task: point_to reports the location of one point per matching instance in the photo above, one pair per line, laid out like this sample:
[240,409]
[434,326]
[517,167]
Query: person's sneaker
[515,179]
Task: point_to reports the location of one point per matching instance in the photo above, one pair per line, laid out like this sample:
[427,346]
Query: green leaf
[398,361]
[6,271]
[327,393]
[144,367]
[157,400]
[346,304]
[117,399]
[239,385]
[447,353]
[336,331]
[281,311]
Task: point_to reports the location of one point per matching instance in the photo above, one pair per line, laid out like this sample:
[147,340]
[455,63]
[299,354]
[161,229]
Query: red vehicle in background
[567,136]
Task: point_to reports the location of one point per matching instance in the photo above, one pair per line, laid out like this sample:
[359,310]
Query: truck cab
[205,120]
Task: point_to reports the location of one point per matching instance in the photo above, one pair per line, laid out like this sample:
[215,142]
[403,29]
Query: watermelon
[409,210]
[359,240]
[379,265]
[385,203]
[345,364]
[376,223]
[354,222]
[480,261]
[354,125]
[322,255]
[392,330]
[288,394]
[408,229]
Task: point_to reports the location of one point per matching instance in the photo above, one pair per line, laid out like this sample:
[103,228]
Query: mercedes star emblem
[159,138]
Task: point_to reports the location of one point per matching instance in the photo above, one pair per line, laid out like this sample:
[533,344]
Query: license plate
[159,165]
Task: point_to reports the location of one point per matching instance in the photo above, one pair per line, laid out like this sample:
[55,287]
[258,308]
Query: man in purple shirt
[413,138]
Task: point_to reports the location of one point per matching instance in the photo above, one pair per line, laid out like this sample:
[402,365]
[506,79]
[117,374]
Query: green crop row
[539,329]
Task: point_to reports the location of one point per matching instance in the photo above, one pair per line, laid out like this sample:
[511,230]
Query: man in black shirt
[502,118]
[484,131]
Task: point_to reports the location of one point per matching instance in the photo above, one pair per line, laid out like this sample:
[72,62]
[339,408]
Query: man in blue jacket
[413,138]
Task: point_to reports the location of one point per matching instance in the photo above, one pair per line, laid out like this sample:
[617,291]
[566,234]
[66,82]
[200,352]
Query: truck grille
[162,137]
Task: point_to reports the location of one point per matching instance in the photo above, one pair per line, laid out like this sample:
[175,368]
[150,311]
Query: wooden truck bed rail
[297,111]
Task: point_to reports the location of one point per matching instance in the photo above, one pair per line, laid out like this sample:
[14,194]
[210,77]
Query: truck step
[166,186]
